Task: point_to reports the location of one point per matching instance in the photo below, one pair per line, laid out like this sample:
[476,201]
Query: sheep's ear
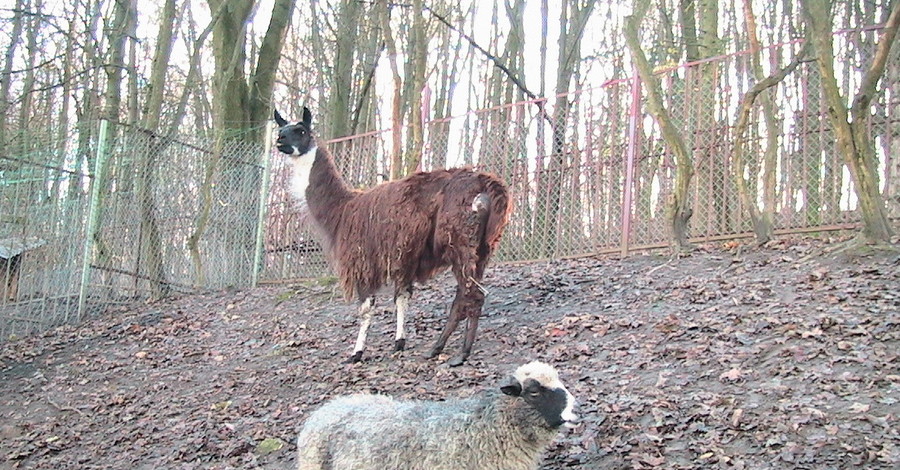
[512,388]
[307,118]
[280,120]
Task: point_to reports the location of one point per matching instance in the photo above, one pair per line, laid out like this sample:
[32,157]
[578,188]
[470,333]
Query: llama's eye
[534,394]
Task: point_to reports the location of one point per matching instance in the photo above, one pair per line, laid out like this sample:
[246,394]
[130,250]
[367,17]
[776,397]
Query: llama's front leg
[401,302]
[365,320]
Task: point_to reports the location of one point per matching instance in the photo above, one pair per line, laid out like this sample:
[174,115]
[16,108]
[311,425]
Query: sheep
[400,232]
[507,429]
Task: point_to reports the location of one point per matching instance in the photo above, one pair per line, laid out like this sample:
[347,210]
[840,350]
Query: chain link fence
[593,175]
[143,216]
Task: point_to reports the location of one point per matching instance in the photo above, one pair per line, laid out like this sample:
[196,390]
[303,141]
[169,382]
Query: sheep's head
[539,385]
[295,139]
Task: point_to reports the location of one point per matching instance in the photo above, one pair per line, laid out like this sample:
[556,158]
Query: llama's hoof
[399,345]
[432,354]
[356,357]
[457,361]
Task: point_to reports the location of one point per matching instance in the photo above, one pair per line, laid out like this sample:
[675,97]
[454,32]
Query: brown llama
[400,232]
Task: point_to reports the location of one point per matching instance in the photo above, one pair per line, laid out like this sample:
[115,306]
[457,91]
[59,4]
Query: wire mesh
[588,172]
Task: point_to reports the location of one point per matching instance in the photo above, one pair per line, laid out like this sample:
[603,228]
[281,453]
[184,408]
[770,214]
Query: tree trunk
[678,210]
[572,21]
[26,103]
[341,72]
[415,84]
[151,241]
[443,104]
[62,133]
[241,110]
[118,37]
[762,222]
[853,140]
[6,79]
[396,97]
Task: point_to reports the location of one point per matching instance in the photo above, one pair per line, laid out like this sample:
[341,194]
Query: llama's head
[295,139]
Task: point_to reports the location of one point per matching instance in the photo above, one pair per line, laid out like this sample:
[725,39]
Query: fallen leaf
[859,408]
[732,375]
[736,417]
[556,332]
[269,445]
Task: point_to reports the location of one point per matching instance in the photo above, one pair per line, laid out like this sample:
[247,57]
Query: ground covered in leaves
[777,357]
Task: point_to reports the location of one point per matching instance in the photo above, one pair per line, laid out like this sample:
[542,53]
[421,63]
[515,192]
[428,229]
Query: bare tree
[762,221]
[117,36]
[6,79]
[572,21]
[679,210]
[150,247]
[396,94]
[414,86]
[849,122]
[241,109]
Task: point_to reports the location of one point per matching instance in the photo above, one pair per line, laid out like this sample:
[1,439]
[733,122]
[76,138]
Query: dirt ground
[777,357]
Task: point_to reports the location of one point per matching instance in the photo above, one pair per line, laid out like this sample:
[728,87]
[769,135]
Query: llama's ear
[280,120]
[512,387]
[307,118]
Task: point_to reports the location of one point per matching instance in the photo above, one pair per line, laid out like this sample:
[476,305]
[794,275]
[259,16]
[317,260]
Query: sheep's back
[372,432]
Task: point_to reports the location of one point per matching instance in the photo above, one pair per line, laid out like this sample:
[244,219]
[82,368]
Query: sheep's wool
[543,373]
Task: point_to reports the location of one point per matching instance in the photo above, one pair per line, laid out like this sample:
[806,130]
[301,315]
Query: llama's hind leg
[366,307]
[472,307]
[401,303]
[449,327]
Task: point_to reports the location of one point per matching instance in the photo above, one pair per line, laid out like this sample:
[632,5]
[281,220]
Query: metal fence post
[631,157]
[261,215]
[93,216]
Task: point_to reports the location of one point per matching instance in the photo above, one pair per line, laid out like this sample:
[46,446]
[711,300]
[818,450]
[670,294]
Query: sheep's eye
[534,394]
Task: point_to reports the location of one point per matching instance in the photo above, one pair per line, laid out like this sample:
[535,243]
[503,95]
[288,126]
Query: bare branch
[497,63]
[876,70]
[770,81]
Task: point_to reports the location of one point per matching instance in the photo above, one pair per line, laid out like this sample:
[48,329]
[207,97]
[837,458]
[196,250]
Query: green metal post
[93,216]
[263,197]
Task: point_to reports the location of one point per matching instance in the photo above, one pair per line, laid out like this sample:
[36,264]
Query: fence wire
[589,174]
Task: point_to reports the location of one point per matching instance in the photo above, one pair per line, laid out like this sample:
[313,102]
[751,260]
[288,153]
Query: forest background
[135,137]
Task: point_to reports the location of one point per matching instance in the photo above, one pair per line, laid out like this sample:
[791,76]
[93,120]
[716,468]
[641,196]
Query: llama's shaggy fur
[491,431]
[402,231]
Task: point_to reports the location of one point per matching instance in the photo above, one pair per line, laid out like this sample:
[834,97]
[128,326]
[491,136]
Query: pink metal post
[634,122]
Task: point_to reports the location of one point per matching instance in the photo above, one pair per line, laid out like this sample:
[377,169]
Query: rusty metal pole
[634,124]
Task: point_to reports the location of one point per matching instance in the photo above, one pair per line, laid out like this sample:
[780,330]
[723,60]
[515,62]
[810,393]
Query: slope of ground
[780,357]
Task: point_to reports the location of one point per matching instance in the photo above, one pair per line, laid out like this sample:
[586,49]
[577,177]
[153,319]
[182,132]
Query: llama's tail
[494,206]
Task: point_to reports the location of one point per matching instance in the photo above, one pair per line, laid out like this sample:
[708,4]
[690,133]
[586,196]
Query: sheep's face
[295,140]
[539,385]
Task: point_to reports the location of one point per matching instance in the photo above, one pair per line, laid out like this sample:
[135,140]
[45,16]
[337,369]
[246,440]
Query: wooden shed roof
[12,246]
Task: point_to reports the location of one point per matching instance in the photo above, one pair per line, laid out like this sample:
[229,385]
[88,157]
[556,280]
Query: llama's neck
[324,191]
[302,167]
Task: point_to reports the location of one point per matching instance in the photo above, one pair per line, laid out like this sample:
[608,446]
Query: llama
[400,232]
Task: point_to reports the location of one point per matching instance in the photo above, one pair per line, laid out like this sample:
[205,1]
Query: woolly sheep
[505,430]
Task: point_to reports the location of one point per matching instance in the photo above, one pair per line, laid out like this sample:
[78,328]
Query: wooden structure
[11,251]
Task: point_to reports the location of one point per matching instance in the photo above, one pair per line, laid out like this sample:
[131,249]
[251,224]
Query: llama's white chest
[302,167]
